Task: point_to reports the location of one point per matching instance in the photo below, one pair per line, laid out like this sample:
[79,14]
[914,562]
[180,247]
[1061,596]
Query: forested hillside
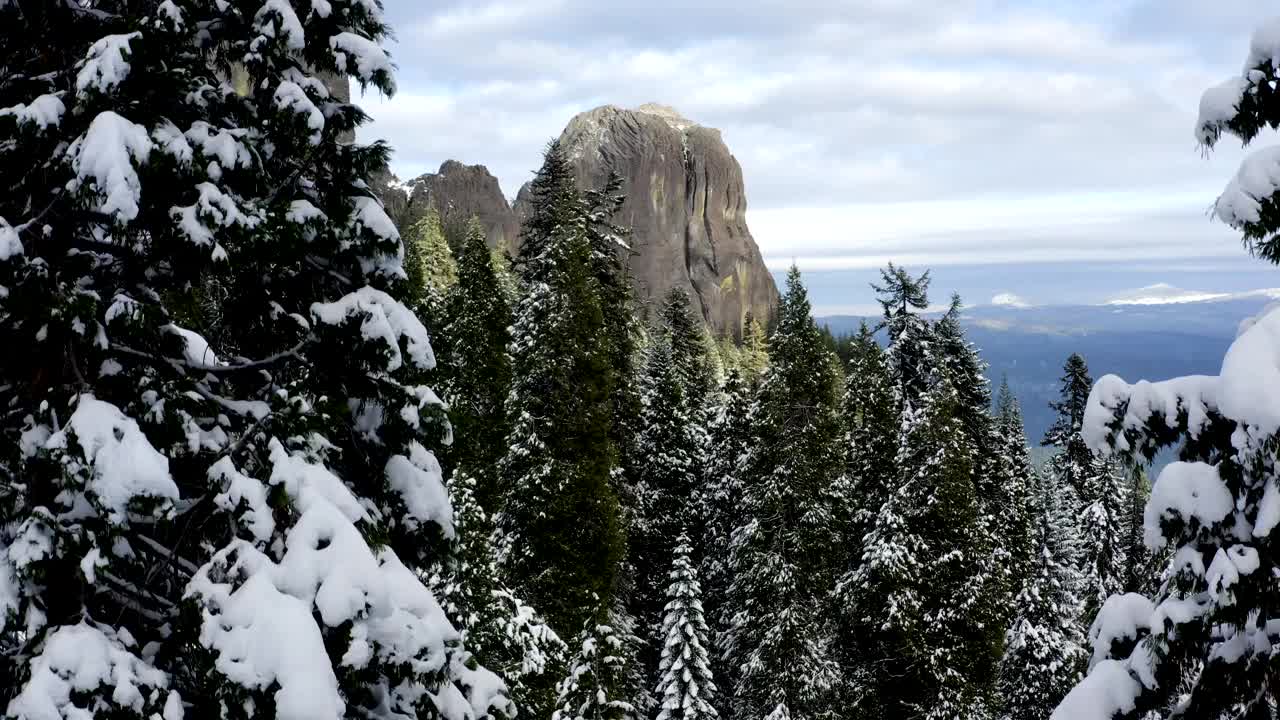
[269,456]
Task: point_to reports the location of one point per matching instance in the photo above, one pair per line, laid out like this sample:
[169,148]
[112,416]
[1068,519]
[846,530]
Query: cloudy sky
[1037,147]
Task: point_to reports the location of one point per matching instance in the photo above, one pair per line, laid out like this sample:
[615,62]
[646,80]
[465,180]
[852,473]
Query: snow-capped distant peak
[1166,294]
[1007,299]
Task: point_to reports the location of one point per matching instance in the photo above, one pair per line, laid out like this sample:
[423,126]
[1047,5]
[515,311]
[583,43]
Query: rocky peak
[686,205]
[458,192]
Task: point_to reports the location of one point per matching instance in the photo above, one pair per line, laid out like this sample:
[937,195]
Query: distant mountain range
[1154,333]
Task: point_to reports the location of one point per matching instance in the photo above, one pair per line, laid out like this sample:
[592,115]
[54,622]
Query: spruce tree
[596,672]
[903,298]
[1215,510]
[689,345]
[562,536]
[496,625]
[1096,488]
[719,501]
[477,368]
[234,528]
[1045,650]
[668,464]
[919,591]
[1074,461]
[1014,490]
[686,687]
[1137,558]
[778,645]
[431,269]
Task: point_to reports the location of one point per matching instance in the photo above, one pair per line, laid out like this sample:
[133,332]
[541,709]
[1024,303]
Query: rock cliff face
[457,192]
[686,205]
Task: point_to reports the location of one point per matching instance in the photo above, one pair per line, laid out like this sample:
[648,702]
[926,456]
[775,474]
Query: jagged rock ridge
[458,192]
[686,205]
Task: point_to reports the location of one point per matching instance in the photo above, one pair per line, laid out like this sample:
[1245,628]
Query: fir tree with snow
[1015,490]
[477,366]
[1137,558]
[591,690]
[719,501]
[1097,488]
[669,459]
[689,347]
[495,624]
[1202,645]
[1044,650]
[1073,462]
[778,644]
[686,686]
[903,298]
[562,535]
[233,528]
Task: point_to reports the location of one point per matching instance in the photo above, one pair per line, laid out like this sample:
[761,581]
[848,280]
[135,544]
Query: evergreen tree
[1014,491]
[689,343]
[431,269]
[1137,576]
[778,646]
[920,587]
[1215,510]
[237,528]
[496,625]
[478,366]
[1074,461]
[1095,486]
[590,691]
[560,519]
[719,500]
[926,597]
[902,298]
[686,687]
[668,463]
[1045,650]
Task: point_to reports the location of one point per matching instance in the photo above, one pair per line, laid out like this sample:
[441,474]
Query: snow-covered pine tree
[1098,486]
[668,463]
[1044,651]
[1103,535]
[231,529]
[432,271]
[719,503]
[689,348]
[1206,637]
[1016,489]
[562,537]
[686,686]
[999,509]
[919,589]
[598,670]
[477,368]
[920,598]
[1137,558]
[778,646]
[496,625]
[1073,461]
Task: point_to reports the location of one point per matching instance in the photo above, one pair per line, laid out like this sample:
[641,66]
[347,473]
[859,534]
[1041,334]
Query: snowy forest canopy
[269,456]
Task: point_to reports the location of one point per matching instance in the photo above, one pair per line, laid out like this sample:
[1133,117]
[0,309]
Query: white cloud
[1007,299]
[955,132]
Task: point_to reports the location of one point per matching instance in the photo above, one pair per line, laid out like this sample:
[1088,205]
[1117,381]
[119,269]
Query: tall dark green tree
[778,646]
[1014,491]
[1045,652]
[668,464]
[477,367]
[1074,461]
[903,298]
[563,539]
[689,347]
